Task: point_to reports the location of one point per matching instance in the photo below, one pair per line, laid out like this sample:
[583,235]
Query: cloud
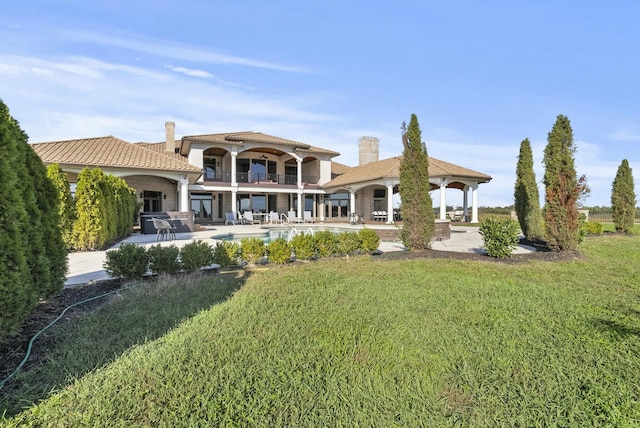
[190,72]
[176,51]
[624,135]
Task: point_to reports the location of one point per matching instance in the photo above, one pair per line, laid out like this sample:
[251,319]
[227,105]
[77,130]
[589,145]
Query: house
[209,175]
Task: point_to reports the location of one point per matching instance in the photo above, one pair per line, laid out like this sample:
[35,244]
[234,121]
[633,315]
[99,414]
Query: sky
[480,76]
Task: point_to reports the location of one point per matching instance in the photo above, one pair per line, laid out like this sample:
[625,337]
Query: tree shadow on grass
[95,334]
[617,329]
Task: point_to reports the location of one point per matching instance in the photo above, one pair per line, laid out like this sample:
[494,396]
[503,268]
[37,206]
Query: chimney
[368,150]
[170,141]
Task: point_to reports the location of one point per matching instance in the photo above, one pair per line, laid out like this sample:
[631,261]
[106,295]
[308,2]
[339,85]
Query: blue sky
[480,76]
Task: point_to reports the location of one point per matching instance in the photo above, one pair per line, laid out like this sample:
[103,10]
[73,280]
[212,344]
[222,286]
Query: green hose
[26,357]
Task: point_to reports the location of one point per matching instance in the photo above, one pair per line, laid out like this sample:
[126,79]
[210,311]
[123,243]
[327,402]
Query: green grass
[363,342]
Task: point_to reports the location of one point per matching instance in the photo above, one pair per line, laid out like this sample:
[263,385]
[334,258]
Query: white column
[322,207]
[352,202]
[443,200]
[184,195]
[465,202]
[234,201]
[299,162]
[474,203]
[300,203]
[390,204]
[234,156]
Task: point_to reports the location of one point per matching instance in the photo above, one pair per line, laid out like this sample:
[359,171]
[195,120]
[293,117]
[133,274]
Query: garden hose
[26,357]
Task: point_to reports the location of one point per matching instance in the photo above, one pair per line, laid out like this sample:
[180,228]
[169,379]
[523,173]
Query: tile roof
[160,149]
[338,168]
[109,152]
[390,168]
[238,138]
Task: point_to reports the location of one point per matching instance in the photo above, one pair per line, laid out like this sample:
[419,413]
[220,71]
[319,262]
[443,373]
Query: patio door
[202,207]
[152,201]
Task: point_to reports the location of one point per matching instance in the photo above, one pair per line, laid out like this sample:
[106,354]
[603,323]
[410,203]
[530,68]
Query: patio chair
[274,217]
[307,217]
[248,217]
[230,218]
[292,217]
[164,227]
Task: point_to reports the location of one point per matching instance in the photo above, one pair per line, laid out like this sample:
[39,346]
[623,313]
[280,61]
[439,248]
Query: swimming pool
[275,233]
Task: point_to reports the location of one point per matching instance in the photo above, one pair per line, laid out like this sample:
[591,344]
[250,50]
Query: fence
[601,215]
[604,215]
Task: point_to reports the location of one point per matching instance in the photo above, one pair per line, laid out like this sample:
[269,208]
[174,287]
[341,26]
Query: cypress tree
[527,198]
[90,230]
[417,208]
[16,292]
[48,204]
[623,198]
[562,188]
[49,269]
[33,258]
[66,208]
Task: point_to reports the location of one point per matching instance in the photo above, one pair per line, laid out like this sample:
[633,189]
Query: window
[379,193]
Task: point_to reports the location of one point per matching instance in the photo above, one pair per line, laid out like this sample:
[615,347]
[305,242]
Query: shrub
[279,251]
[129,262]
[195,255]
[348,243]
[164,259]
[500,236]
[304,246]
[592,228]
[326,243]
[252,249]
[369,240]
[225,253]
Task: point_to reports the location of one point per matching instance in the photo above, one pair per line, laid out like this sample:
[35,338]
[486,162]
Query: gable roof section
[105,152]
[390,168]
[160,148]
[338,168]
[239,138]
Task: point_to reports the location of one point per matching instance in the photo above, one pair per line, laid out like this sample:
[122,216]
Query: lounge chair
[307,217]
[274,217]
[248,217]
[292,217]
[230,218]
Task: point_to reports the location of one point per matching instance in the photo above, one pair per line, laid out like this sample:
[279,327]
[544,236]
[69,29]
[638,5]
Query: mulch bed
[13,349]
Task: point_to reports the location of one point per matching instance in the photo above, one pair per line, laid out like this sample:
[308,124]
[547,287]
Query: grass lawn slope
[366,342]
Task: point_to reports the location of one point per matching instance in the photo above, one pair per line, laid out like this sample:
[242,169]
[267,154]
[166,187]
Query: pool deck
[87,266]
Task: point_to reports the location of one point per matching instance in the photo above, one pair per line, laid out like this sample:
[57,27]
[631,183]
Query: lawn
[361,342]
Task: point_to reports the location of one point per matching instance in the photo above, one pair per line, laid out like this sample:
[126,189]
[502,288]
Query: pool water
[272,234]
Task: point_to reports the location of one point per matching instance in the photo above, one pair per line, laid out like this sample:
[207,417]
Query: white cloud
[190,72]
[624,135]
[168,49]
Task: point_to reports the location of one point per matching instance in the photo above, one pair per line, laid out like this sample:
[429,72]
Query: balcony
[261,178]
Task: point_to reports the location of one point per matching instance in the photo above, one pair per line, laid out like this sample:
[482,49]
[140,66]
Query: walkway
[87,266]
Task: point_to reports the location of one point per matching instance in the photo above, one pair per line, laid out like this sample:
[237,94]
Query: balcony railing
[257,178]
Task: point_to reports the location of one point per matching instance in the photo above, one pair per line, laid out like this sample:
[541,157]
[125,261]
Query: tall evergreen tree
[527,198]
[623,198]
[16,293]
[47,204]
[90,230]
[417,208]
[562,188]
[67,207]
[33,257]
